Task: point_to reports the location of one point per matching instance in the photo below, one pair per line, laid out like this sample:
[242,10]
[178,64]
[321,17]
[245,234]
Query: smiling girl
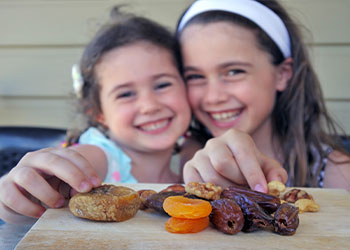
[251,84]
[131,90]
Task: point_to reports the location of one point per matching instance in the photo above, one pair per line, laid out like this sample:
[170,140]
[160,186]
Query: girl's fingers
[38,187]
[222,160]
[245,154]
[273,170]
[201,170]
[53,164]
[82,163]
[15,201]
[190,174]
[12,217]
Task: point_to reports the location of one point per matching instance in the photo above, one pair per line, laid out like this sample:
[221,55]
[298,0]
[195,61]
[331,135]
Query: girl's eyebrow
[120,86]
[222,65]
[234,63]
[157,76]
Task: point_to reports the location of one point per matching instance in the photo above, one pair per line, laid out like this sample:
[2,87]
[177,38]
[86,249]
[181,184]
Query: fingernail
[280,178]
[84,186]
[259,188]
[60,203]
[95,181]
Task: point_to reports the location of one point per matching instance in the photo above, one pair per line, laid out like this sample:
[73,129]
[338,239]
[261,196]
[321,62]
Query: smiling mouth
[225,116]
[152,126]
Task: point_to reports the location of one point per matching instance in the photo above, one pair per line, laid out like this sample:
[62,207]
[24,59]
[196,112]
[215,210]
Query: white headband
[262,16]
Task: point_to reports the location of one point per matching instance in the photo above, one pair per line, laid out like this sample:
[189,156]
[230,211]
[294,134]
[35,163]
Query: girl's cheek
[195,96]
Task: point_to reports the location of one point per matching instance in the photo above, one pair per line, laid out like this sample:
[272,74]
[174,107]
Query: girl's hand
[48,176]
[233,158]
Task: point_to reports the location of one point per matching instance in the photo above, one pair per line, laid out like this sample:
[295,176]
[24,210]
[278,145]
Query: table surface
[58,228]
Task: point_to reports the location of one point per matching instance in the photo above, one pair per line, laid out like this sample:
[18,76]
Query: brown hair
[300,119]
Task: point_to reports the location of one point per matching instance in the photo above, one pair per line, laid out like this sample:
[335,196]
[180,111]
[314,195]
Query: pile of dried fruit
[234,209]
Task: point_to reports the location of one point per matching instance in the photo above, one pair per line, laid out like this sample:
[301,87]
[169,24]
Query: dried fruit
[182,207]
[268,202]
[296,194]
[106,203]
[276,187]
[307,205]
[182,226]
[155,201]
[227,216]
[286,219]
[208,191]
[144,194]
[174,188]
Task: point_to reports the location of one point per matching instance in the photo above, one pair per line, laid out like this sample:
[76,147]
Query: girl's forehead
[219,43]
[214,29]
[212,34]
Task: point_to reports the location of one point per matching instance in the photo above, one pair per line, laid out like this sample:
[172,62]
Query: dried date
[286,219]
[268,202]
[227,216]
[144,194]
[255,217]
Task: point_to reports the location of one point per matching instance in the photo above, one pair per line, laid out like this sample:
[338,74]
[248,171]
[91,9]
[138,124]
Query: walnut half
[207,191]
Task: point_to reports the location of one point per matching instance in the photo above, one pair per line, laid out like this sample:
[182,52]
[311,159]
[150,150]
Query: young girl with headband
[248,73]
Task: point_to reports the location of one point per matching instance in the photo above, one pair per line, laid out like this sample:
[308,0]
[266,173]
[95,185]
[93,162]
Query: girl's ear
[101,119]
[284,74]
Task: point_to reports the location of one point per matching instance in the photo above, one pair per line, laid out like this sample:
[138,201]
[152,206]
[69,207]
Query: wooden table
[59,229]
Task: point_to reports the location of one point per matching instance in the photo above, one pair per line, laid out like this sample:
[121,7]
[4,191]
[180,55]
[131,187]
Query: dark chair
[346,142]
[15,142]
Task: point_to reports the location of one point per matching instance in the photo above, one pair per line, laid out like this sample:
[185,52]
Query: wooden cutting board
[59,229]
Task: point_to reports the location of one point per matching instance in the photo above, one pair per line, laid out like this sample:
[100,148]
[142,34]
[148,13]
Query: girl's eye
[193,79]
[125,94]
[163,85]
[234,72]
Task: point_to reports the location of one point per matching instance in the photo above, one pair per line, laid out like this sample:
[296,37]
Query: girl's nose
[215,92]
[149,104]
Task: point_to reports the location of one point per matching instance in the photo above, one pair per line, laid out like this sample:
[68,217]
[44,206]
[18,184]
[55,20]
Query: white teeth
[224,115]
[155,125]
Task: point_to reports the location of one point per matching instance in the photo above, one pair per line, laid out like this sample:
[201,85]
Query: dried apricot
[182,207]
[183,226]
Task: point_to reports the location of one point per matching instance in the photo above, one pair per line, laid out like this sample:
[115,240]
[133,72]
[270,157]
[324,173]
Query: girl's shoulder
[337,171]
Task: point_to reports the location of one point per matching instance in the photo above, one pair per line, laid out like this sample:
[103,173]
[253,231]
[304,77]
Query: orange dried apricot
[183,226]
[182,207]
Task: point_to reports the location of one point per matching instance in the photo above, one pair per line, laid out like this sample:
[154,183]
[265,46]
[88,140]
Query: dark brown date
[255,217]
[144,194]
[227,216]
[286,219]
[155,201]
[267,202]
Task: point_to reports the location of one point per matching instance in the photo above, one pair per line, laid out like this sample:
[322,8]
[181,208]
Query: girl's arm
[233,158]
[49,176]
[337,172]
